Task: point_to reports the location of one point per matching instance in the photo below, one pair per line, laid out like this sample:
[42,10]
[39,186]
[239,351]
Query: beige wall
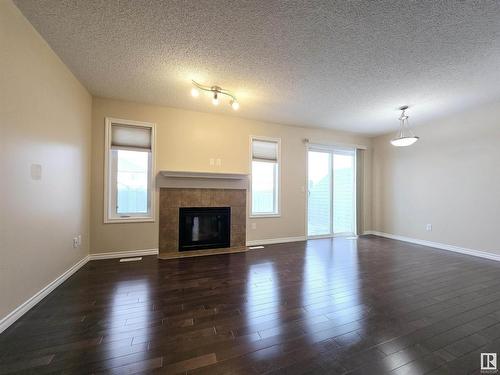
[44,119]
[186,140]
[450,179]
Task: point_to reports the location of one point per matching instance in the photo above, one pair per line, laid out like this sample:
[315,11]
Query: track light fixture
[217,92]
[405,136]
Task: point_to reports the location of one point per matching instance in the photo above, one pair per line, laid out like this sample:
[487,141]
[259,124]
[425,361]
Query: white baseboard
[438,245]
[123,254]
[271,241]
[22,309]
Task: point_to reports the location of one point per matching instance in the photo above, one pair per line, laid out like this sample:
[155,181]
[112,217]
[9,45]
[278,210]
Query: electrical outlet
[428,227]
[253,225]
[79,240]
[218,162]
[75,242]
[212,162]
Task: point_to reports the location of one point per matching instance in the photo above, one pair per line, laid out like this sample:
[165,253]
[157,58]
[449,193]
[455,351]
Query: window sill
[264,216]
[129,220]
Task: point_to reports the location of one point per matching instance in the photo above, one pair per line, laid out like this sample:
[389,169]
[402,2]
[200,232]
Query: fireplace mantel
[219,175]
[203,180]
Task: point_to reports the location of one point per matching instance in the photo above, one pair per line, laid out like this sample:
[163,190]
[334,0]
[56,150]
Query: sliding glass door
[331,201]
[344,192]
[319,210]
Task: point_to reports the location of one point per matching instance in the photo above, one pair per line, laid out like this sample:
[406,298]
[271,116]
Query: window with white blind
[129,169]
[265,177]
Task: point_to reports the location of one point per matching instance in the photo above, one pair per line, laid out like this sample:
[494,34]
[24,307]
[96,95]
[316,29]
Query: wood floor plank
[191,364]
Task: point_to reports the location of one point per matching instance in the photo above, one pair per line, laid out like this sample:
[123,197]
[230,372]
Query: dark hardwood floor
[366,306]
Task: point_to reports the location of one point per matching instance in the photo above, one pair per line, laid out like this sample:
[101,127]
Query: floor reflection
[263,298]
[129,318]
[330,286]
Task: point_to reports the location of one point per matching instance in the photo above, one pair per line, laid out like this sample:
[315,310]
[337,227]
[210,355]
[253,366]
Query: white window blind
[265,150]
[129,171]
[265,178]
[129,137]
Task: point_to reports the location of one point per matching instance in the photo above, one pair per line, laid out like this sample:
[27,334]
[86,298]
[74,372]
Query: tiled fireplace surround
[171,199]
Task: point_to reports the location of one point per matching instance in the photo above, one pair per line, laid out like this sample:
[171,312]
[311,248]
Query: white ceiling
[338,64]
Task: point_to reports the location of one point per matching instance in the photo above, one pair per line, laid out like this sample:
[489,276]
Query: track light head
[235,105]
[215,99]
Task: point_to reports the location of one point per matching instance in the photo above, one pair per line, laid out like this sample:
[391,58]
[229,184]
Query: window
[265,176]
[129,171]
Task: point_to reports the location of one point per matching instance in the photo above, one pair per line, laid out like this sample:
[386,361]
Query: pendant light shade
[404,141]
[405,136]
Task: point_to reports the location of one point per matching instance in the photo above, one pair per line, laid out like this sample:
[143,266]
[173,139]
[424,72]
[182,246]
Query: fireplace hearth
[204,228]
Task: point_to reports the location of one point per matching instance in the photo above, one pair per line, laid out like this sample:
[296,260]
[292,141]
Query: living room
[249,187]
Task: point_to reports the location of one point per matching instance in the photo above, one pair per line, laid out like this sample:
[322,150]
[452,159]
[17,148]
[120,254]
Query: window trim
[108,216]
[253,215]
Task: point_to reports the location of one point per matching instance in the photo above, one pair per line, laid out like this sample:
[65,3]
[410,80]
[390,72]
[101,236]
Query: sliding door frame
[331,149]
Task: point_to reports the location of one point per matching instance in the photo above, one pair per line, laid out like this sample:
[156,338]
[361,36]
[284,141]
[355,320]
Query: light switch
[36,172]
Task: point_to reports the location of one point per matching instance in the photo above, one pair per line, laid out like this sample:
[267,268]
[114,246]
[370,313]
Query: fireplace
[172,200]
[204,228]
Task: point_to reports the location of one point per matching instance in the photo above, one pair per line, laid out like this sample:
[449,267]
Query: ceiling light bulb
[235,105]
[194,92]
[215,100]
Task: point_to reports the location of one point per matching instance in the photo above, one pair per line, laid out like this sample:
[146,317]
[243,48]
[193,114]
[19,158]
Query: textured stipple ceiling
[337,64]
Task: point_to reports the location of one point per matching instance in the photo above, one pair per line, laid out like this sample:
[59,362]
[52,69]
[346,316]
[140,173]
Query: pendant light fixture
[405,136]
[216,92]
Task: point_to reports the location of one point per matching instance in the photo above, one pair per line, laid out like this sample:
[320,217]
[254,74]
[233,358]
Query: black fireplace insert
[204,228]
